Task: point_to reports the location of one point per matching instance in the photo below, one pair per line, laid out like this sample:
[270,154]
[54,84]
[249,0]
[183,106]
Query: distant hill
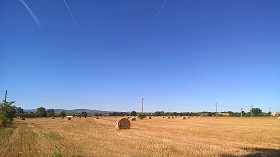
[72,111]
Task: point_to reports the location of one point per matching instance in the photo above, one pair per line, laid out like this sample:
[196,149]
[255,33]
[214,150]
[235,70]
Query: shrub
[141,115]
[7,113]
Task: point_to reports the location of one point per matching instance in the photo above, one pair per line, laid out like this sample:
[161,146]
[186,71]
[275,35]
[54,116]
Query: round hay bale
[22,118]
[133,119]
[162,116]
[69,118]
[123,123]
[62,117]
[149,117]
[183,117]
[168,117]
[97,117]
[172,117]
[52,117]
[188,117]
[127,117]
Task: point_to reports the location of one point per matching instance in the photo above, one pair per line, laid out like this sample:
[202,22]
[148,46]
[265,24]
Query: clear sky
[185,55]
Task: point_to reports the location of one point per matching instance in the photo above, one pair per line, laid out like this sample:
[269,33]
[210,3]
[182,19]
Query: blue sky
[193,54]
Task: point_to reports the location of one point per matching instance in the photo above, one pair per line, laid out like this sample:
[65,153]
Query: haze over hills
[73,111]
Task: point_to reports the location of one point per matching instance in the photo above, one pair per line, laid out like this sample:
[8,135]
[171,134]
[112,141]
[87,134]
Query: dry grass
[197,136]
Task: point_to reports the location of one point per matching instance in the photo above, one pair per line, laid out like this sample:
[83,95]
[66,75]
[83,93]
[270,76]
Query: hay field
[197,136]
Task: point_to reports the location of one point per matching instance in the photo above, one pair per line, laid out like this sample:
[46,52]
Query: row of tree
[42,112]
[8,111]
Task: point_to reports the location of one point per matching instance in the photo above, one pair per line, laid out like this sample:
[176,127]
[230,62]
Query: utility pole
[6,93]
[5,100]
[241,112]
[270,110]
[142,105]
[216,109]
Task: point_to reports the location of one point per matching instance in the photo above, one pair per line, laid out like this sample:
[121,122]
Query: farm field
[197,136]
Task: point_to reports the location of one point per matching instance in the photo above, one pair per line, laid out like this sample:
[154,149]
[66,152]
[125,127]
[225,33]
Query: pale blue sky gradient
[193,54]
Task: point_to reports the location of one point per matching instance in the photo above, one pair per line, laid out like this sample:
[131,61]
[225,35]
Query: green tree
[41,111]
[7,112]
[50,113]
[159,113]
[141,115]
[62,114]
[97,114]
[84,114]
[19,111]
[256,111]
[32,115]
[133,113]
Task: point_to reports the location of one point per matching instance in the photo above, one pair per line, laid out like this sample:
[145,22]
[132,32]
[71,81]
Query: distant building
[223,114]
[275,113]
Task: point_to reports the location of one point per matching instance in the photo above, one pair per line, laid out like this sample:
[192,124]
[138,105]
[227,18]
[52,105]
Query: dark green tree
[32,115]
[159,113]
[41,112]
[141,115]
[7,112]
[97,114]
[133,113]
[19,111]
[50,113]
[84,114]
[256,111]
[62,114]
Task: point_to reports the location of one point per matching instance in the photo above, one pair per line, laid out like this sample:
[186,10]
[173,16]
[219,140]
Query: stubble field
[197,136]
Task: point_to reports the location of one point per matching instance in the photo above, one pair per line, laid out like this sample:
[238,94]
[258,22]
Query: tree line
[8,111]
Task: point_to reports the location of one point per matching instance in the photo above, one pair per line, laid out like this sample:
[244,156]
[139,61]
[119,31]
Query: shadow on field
[256,152]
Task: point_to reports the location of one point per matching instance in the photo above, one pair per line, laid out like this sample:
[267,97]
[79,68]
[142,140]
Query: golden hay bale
[22,118]
[172,117]
[69,118]
[188,117]
[52,117]
[97,118]
[123,123]
[127,117]
[183,117]
[162,116]
[133,119]
[168,117]
[149,117]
